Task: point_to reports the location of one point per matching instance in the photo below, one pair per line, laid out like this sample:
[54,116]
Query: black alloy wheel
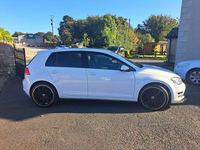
[154,97]
[44,94]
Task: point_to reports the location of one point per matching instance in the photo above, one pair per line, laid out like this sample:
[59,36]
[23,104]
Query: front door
[105,80]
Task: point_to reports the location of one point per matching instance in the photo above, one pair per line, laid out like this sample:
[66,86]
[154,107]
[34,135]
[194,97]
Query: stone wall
[7,59]
[188,45]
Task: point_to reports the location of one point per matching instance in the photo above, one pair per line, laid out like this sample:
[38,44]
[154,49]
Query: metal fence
[135,53]
[20,62]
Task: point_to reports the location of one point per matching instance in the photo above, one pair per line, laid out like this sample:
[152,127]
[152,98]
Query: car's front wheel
[44,94]
[154,97]
[193,76]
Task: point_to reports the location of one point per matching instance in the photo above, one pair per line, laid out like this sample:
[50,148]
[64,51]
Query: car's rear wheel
[154,97]
[193,76]
[44,94]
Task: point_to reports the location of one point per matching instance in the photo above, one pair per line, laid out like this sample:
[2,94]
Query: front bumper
[181,101]
[181,72]
[178,93]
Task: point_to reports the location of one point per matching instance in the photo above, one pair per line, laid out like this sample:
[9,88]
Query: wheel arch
[189,71]
[42,81]
[162,84]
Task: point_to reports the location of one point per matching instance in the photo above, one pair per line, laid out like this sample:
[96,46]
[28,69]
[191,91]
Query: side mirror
[124,68]
[121,49]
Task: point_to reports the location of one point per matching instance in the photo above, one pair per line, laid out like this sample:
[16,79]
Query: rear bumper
[26,86]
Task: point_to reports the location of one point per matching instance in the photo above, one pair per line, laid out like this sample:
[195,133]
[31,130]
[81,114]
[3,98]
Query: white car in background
[61,47]
[189,70]
[99,74]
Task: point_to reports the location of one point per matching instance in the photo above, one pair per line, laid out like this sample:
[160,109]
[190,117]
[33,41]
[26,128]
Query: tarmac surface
[86,124]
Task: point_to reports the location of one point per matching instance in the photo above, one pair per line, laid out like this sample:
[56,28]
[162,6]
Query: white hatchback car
[189,70]
[99,74]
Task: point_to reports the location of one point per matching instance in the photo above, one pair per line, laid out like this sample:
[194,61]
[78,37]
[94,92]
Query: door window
[101,61]
[65,59]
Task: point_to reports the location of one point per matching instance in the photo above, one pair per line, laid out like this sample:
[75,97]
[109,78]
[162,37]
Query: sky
[34,16]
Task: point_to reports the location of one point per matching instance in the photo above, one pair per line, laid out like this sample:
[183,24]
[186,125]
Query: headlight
[176,80]
[181,65]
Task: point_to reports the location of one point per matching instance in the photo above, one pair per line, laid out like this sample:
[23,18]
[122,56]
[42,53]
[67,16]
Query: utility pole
[112,28]
[52,26]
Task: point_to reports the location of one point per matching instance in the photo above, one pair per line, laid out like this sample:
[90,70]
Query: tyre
[154,97]
[193,76]
[44,94]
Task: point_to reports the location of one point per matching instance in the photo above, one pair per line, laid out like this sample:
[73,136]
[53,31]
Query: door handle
[92,74]
[54,72]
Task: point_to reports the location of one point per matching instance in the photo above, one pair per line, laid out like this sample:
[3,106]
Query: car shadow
[16,105]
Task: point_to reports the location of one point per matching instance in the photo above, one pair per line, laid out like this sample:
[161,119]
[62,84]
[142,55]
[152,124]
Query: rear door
[66,70]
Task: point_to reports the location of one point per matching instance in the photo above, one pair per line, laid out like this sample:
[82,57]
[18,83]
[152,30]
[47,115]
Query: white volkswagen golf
[99,74]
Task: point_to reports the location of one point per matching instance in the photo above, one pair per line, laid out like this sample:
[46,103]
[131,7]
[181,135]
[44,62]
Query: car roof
[75,49]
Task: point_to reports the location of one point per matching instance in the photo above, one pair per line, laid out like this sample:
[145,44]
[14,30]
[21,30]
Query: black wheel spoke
[43,96]
[153,98]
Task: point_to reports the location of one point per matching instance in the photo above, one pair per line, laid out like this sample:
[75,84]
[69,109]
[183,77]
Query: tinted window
[65,59]
[69,59]
[101,61]
[51,61]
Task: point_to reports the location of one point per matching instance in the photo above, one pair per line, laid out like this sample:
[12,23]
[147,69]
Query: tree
[5,35]
[98,31]
[48,36]
[133,39]
[140,29]
[86,40]
[143,39]
[40,34]
[159,26]
[57,37]
[16,34]
[66,29]
[66,37]
[109,30]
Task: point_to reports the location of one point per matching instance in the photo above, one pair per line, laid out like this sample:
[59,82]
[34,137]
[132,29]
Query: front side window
[101,61]
[65,59]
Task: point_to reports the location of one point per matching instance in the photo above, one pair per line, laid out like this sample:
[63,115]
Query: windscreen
[113,48]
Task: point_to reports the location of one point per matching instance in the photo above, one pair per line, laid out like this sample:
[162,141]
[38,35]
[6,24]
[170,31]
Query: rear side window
[51,61]
[65,59]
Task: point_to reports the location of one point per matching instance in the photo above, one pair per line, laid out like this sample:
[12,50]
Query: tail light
[26,71]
